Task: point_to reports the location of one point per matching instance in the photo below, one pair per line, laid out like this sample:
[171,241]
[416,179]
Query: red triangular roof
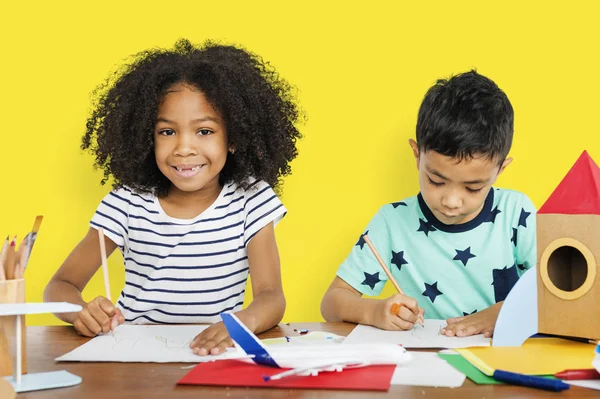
[579,191]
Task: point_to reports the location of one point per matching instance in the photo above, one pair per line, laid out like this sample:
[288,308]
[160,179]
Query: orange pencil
[387,271]
[10,261]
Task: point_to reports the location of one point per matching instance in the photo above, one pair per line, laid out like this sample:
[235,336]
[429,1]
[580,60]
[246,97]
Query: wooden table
[154,380]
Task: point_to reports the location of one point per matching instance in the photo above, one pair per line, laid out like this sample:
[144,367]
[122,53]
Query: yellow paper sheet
[538,356]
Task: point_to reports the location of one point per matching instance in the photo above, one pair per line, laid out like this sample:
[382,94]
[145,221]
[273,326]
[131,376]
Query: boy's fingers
[401,324]
[407,315]
[411,304]
[448,333]
[467,331]
[455,319]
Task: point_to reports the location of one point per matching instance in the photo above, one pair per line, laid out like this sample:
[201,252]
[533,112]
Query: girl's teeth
[195,168]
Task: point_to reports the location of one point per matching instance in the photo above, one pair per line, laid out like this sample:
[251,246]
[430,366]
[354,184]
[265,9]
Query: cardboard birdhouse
[568,250]
[561,294]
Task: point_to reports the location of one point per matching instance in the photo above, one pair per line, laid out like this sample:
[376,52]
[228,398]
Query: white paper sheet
[145,343]
[427,369]
[419,337]
[591,384]
[12,309]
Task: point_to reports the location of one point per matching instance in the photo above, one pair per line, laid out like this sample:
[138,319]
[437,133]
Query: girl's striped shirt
[185,271]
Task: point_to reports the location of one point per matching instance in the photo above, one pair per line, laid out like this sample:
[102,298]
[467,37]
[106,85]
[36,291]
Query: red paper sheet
[234,373]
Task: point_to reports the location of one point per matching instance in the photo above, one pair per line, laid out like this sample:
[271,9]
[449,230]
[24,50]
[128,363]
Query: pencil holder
[11,291]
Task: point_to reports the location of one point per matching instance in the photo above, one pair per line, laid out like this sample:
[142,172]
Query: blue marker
[531,381]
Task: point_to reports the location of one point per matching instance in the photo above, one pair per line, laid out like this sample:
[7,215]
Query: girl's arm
[71,278]
[268,304]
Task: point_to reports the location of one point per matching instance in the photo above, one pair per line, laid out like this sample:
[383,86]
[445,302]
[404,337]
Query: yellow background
[361,71]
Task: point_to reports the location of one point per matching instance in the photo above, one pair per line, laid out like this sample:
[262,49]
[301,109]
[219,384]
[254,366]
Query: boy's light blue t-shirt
[451,270]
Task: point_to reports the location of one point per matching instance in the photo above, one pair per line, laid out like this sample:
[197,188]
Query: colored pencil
[3,255]
[10,260]
[104,263]
[389,274]
[580,374]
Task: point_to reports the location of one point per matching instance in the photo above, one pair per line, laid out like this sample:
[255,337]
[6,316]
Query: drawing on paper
[122,342]
[424,334]
[174,344]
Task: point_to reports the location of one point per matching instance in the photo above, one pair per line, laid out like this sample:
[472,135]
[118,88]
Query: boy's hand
[98,317]
[477,323]
[212,341]
[407,315]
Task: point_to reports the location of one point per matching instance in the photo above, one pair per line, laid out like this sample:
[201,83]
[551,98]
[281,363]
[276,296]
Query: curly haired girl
[196,139]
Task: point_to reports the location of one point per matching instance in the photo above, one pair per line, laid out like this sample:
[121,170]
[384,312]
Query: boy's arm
[344,303]
[361,273]
[73,275]
[268,304]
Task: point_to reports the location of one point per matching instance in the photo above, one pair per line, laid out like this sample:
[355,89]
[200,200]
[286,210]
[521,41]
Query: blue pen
[532,381]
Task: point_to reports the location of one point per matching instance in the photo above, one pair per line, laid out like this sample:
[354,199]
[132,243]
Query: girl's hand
[477,323]
[98,317]
[406,312]
[212,341]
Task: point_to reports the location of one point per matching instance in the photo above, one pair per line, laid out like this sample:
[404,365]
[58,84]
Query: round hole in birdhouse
[567,268]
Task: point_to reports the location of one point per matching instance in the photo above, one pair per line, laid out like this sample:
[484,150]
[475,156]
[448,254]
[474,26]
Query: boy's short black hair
[257,106]
[466,116]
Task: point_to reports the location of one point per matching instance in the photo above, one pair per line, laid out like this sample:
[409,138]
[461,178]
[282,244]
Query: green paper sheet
[463,365]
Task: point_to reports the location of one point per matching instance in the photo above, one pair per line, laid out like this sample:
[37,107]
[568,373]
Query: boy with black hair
[457,247]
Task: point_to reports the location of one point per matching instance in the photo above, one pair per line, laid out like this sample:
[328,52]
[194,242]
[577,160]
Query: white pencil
[104,263]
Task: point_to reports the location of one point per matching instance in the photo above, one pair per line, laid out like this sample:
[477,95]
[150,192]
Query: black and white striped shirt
[185,270]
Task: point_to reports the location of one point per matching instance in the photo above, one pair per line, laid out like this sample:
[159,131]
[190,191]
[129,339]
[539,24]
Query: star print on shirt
[371,279]
[464,255]
[361,241]
[514,237]
[523,218]
[398,259]
[491,217]
[467,313]
[425,227]
[397,204]
[431,291]
[503,281]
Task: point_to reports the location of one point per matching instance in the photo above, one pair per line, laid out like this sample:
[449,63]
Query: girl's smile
[188,170]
